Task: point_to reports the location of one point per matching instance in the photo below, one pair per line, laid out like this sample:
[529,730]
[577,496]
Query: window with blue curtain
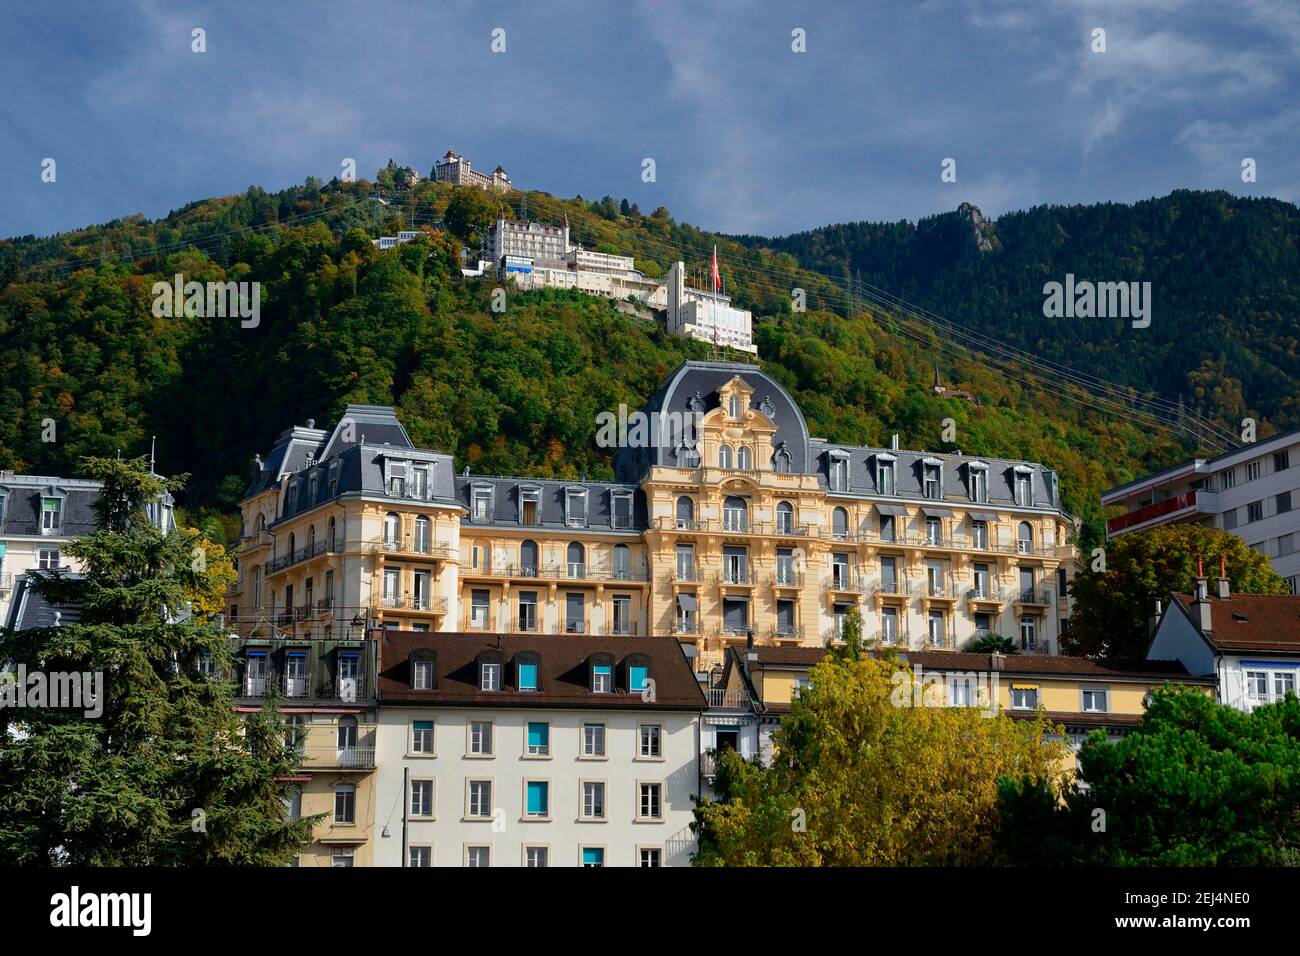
[538,798]
[528,676]
[638,674]
[539,738]
[593,856]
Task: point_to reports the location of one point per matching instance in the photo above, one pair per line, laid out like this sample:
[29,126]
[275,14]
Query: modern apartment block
[735,523]
[39,516]
[526,239]
[706,316]
[1248,491]
[527,750]
[457,170]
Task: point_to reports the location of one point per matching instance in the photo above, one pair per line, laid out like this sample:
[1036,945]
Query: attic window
[602,675]
[489,672]
[526,673]
[422,671]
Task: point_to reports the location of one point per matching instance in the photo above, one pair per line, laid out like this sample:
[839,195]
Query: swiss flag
[717,276]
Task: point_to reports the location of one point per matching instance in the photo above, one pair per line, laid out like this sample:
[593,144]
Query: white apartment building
[522,750]
[705,316]
[39,517]
[526,239]
[1252,491]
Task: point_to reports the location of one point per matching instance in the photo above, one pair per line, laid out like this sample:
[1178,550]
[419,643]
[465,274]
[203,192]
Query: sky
[746,134]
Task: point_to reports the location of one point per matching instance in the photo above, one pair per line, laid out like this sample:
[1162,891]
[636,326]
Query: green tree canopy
[1196,784]
[863,776]
[1111,607]
[164,775]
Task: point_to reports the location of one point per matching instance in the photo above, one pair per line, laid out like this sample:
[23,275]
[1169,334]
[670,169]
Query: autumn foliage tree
[864,776]
[1112,605]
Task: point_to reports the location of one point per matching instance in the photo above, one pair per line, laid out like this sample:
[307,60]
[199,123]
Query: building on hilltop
[1252,491]
[706,316]
[456,169]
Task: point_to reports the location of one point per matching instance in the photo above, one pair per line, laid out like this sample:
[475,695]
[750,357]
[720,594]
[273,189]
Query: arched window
[784,518]
[735,514]
[261,522]
[577,559]
[311,540]
[687,457]
[1025,538]
[724,456]
[839,524]
[622,556]
[392,530]
[781,462]
[291,543]
[347,732]
[423,534]
[743,458]
[333,534]
[685,513]
[528,558]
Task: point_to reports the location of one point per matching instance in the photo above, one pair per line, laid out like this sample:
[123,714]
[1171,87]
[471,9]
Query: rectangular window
[423,675]
[536,857]
[650,856]
[593,740]
[51,515]
[885,477]
[539,798]
[593,856]
[1255,511]
[421,798]
[1229,477]
[1257,685]
[1283,684]
[981,580]
[1253,469]
[889,624]
[1283,502]
[539,739]
[602,679]
[937,629]
[650,740]
[421,856]
[979,535]
[651,806]
[47,559]
[638,678]
[345,804]
[1094,701]
[480,799]
[342,857]
[887,528]
[1024,489]
[593,800]
[490,675]
[480,738]
[478,613]
[839,474]
[422,737]
[979,485]
[528,676]
[478,856]
[1024,698]
[482,506]
[1282,460]
[930,481]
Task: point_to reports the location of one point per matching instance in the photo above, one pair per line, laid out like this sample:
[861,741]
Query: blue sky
[747,135]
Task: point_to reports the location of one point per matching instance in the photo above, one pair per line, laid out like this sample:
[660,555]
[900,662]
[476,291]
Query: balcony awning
[983,515]
[736,597]
[891,509]
[687,602]
[937,512]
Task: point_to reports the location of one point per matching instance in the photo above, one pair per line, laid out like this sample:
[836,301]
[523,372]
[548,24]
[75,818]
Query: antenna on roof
[153,443]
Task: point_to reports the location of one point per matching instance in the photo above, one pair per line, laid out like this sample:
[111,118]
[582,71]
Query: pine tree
[164,775]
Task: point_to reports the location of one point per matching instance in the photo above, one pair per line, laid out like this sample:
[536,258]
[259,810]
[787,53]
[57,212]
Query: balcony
[623,629]
[786,578]
[734,576]
[329,685]
[686,627]
[571,571]
[414,549]
[1033,597]
[1177,508]
[305,553]
[323,751]
[323,621]
[787,632]
[847,583]
[731,698]
[428,605]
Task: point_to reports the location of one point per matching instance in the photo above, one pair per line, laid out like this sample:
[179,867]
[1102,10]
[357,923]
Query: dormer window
[602,676]
[291,500]
[398,473]
[620,509]
[885,474]
[575,507]
[530,506]
[526,673]
[839,470]
[313,486]
[420,483]
[51,515]
[481,503]
[422,672]
[334,479]
[489,673]
[1023,479]
[733,406]
[931,478]
[977,481]
[638,674]
[781,462]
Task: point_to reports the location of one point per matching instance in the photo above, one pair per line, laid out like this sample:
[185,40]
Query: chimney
[997,661]
[1225,592]
[749,639]
[893,442]
[1154,620]
[1203,605]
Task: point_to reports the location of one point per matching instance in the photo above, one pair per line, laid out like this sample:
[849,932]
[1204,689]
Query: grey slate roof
[22,504]
[506,496]
[705,378]
[30,609]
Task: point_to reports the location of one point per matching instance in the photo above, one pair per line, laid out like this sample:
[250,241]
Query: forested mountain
[1224,274]
[518,392]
